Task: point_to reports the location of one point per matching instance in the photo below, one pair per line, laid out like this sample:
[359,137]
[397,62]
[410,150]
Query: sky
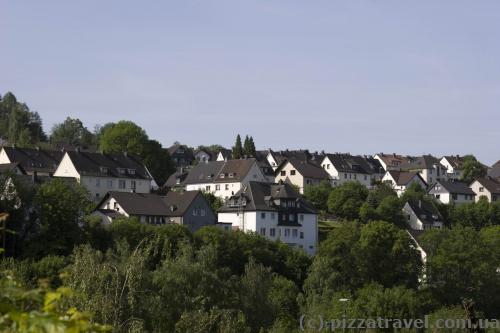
[359,76]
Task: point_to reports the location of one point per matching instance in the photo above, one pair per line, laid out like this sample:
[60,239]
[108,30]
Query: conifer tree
[237,149]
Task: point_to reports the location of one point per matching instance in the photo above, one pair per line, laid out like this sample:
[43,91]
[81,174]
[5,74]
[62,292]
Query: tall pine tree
[251,147]
[237,149]
[246,146]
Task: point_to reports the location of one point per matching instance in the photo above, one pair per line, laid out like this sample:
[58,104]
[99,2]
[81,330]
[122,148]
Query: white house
[392,161]
[300,173]
[400,180]
[452,166]
[429,168]
[277,158]
[486,187]
[422,215]
[101,173]
[452,192]
[223,178]
[345,167]
[276,212]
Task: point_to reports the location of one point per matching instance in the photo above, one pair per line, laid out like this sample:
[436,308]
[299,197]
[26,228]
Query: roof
[35,159]
[490,184]
[108,165]
[261,197]
[425,211]
[355,163]
[404,177]
[283,155]
[307,169]
[421,162]
[220,171]
[172,204]
[494,171]
[394,159]
[456,161]
[172,180]
[454,187]
[10,167]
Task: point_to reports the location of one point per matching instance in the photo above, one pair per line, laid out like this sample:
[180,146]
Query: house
[494,171]
[202,155]
[276,212]
[223,178]
[176,180]
[486,187]
[101,173]
[189,208]
[450,191]
[277,158]
[422,215]
[224,155]
[429,168]
[392,161]
[37,161]
[345,167]
[181,155]
[400,180]
[300,173]
[452,166]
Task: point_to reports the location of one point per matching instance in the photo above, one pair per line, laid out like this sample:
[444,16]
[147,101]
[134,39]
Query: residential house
[34,161]
[392,161]
[429,168]
[276,212]
[176,180]
[101,173]
[188,208]
[422,215]
[202,155]
[494,171]
[181,155]
[345,167]
[277,158]
[223,178]
[486,187]
[451,191]
[452,166]
[300,173]
[400,180]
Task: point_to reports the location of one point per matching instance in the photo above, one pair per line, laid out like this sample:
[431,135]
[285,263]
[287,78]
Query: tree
[158,161]
[472,169]
[214,201]
[249,147]
[318,195]
[345,200]
[237,149]
[71,132]
[124,136]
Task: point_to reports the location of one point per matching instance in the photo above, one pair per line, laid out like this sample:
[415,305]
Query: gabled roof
[261,197]
[454,187]
[307,169]
[284,155]
[456,161]
[355,163]
[492,185]
[402,178]
[172,204]
[220,171]
[494,171]
[173,149]
[420,163]
[34,159]
[172,180]
[108,165]
[425,211]
[394,160]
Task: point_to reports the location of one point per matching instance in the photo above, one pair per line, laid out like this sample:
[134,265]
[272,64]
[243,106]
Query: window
[292,217]
[217,187]
[308,182]
[295,233]
[97,182]
[328,166]
[262,215]
[121,184]
[131,171]
[283,217]
[195,211]
[454,196]
[273,215]
[227,187]
[203,212]
[366,177]
[97,195]
[133,184]
[345,175]
[438,196]
[287,232]
[301,217]
[481,189]
[272,232]
[263,231]
[207,187]
[283,173]
[110,184]
[292,172]
[301,235]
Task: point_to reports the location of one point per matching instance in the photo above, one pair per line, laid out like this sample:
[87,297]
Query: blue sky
[411,77]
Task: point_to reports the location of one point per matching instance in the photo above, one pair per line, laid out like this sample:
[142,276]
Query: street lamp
[344,300]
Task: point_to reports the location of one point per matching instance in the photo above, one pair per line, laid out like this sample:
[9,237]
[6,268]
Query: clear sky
[355,76]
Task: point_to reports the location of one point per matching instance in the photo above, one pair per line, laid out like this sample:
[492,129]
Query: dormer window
[222,175]
[103,169]
[231,175]
[131,171]
[121,171]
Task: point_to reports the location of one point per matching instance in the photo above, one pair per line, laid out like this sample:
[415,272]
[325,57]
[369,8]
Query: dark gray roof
[425,211]
[307,169]
[355,163]
[220,171]
[35,159]
[172,180]
[456,161]
[494,171]
[108,165]
[454,187]
[421,162]
[10,167]
[261,197]
[492,185]
[172,204]
[404,177]
[283,155]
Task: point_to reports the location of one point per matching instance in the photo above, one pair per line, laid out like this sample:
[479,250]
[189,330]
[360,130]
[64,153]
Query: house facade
[345,167]
[400,180]
[223,178]
[486,187]
[452,192]
[300,173]
[422,215]
[181,155]
[452,166]
[276,212]
[34,161]
[101,173]
[188,208]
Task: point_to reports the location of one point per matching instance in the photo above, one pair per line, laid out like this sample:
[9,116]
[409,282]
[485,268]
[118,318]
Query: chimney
[394,154]
[420,203]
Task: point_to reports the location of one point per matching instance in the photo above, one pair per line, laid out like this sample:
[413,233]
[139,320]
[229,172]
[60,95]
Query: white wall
[480,190]
[297,179]
[4,159]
